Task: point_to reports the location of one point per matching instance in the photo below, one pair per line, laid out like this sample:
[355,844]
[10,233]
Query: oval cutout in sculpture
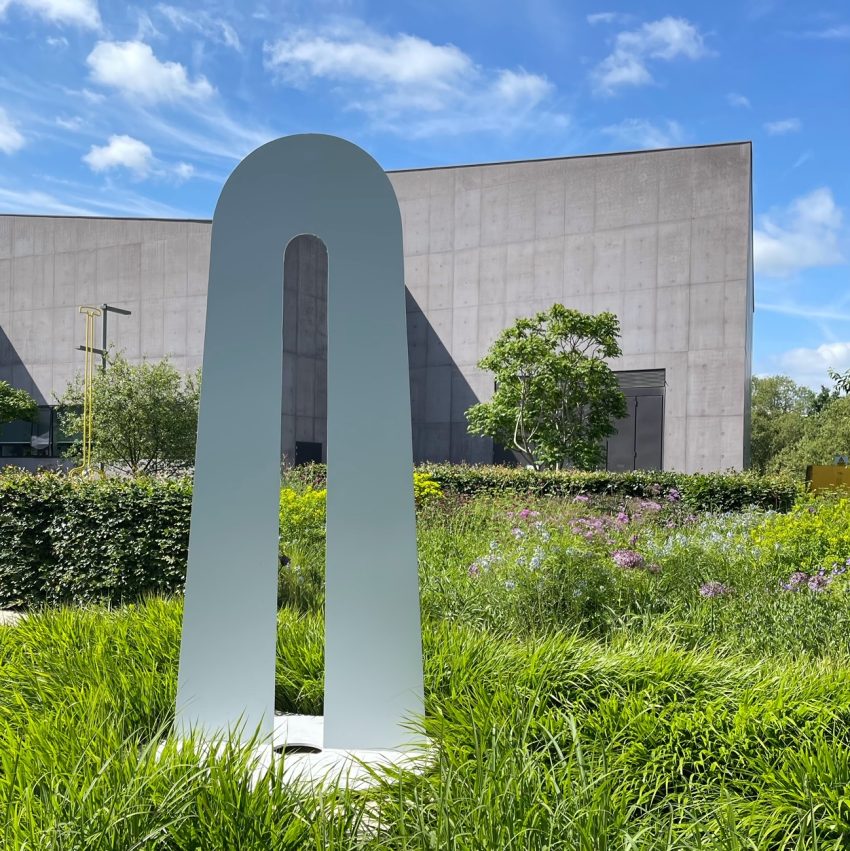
[329,187]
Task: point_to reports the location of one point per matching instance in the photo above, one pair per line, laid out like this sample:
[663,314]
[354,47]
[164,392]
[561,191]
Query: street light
[105,309]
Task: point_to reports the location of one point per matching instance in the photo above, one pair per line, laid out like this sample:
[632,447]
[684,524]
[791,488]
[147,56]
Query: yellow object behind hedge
[828,477]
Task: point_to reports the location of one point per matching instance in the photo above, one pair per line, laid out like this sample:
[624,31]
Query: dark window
[307,452]
[41,438]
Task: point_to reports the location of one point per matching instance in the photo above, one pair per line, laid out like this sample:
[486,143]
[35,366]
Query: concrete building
[661,238]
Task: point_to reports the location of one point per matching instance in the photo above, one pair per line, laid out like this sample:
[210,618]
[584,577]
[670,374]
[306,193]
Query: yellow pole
[88,390]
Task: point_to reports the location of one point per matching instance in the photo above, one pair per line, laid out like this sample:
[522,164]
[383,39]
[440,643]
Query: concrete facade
[661,238]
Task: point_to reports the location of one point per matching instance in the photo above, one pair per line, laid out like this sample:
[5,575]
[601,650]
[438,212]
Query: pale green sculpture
[321,185]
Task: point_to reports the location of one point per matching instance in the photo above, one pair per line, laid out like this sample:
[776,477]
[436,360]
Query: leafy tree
[824,435]
[556,398]
[779,410]
[145,416]
[16,404]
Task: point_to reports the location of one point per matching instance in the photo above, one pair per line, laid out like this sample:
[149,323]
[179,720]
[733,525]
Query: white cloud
[644,134]
[57,41]
[811,365]
[121,152]
[133,69]
[607,18]
[183,171]
[73,123]
[665,39]
[808,234]
[780,128]
[82,13]
[410,85]
[10,139]
[839,32]
[200,21]
[734,99]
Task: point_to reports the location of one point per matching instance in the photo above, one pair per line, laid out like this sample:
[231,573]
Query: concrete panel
[721,179]
[42,380]
[416,278]
[6,226]
[5,287]
[676,186]
[288,386]
[468,178]
[702,450]
[463,398]
[675,366]
[440,281]
[153,328]
[579,251]
[440,340]
[465,336]
[305,429]
[673,318]
[626,191]
[491,323]
[64,374]
[287,436]
[438,394]
[418,390]
[519,272]
[708,249]
[197,262]
[466,277]
[674,254]
[320,370]
[410,184]
[579,196]
[715,383]
[737,245]
[65,334]
[609,261]
[641,260]
[417,340]
[308,318]
[107,260]
[290,317]
[153,269]
[521,209]
[441,223]
[736,307]
[125,331]
[731,443]
[549,206]
[467,219]
[435,438]
[549,269]
[638,322]
[707,312]
[472,449]
[174,326]
[494,215]
[110,232]
[675,442]
[305,389]
[609,301]
[497,174]
[493,262]
[416,224]
[129,272]
[175,267]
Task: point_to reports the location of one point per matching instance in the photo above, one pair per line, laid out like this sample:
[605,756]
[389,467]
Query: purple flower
[673,495]
[517,532]
[622,518]
[633,541]
[582,497]
[655,489]
[714,589]
[627,558]
[819,582]
[527,512]
[654,568]
[796,580]
[691,518]
[650,505]
[474,569]
[510,585]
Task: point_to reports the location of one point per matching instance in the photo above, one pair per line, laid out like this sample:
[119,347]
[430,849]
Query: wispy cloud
[628,64]
[811,365]
[783,127]
[82,13]
[132,68]
[11,139]
[840,32]
[607,18]
[645,134]
[200,21]
[410,85]
[737,100]
[809,233]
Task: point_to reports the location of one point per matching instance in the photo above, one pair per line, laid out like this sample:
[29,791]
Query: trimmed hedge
[700,491]
[66,540]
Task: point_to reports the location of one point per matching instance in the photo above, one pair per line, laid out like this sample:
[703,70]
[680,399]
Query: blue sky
[110,108]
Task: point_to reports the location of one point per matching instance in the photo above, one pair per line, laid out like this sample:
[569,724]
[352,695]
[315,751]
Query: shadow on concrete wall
[12,369]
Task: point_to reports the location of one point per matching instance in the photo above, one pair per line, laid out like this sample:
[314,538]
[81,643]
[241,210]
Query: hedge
[730,491]
[65,540]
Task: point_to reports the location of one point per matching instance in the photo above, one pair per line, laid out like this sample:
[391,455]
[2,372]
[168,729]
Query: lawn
[601,672]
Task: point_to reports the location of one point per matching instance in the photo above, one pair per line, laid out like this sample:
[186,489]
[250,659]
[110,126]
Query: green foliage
[426,490]
[145,416]
[16,404]
[779,410]
[555,398]
[823,436]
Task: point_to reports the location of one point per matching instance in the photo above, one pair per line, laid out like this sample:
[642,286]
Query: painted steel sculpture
[321,185]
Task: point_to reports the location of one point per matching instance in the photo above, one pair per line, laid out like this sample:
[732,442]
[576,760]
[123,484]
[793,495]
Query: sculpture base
[298,741]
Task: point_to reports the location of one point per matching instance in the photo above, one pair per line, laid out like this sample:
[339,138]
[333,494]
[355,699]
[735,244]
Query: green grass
[572,704]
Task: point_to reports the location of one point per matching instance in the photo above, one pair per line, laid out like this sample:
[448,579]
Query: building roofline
[403,171]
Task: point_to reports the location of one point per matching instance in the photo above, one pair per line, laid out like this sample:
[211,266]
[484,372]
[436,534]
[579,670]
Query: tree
[145,416]
[555,398]
[779,410]
[825,435]
[16,404]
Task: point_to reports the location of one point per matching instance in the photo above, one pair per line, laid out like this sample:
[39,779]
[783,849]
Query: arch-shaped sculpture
[373,658]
